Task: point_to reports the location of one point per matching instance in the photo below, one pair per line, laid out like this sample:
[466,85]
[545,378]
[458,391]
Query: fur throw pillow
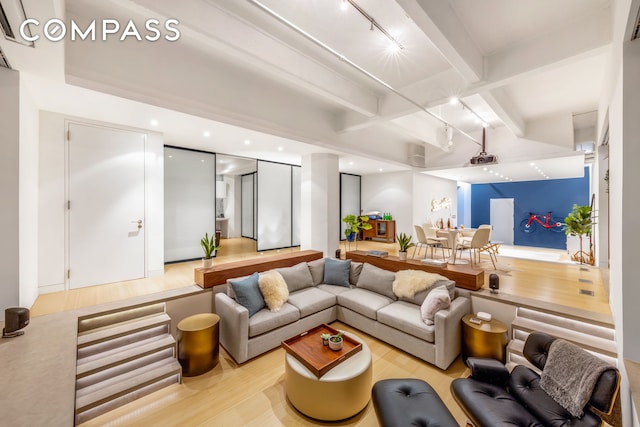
[410,282]
[437,300]
[274,289]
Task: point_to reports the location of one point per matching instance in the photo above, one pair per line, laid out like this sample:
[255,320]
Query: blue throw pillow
[336,272]
[248,293]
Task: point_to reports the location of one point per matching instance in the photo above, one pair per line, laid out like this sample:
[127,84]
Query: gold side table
[487,339]
[198,343]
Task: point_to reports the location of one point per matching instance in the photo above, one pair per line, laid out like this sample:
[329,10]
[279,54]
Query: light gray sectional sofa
[365,302]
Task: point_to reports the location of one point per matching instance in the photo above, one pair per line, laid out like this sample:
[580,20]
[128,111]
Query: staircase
[595,338]
[122,356]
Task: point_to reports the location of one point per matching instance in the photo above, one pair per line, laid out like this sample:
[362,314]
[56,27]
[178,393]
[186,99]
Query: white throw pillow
[437,300]
[274,289]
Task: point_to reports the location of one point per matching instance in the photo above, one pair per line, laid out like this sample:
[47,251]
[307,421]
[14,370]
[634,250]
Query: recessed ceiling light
[454,100]
[154,122]
[532,164]
[344,5]
[280,148]
[247,142]
[350,163]
[206,134]
[202,160]
[171,157]
[380,170]
[484,169]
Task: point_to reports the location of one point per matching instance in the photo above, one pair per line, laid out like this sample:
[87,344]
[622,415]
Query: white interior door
[106,192]
[501,217]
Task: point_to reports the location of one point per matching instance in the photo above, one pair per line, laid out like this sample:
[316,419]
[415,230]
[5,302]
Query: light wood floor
[252,394]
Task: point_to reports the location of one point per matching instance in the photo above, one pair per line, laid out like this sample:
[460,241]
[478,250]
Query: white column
[9,175]
[320,211]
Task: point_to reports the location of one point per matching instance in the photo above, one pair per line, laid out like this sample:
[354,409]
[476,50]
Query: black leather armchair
[492,396]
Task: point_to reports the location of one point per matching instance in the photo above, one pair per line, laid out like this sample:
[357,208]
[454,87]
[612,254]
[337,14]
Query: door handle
[139,222]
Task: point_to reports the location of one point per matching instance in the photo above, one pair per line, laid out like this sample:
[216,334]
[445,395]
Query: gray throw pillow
[354,273]
[419,297]
[248,293]
[336,272]
[316,267]
[377,280]
[297,277]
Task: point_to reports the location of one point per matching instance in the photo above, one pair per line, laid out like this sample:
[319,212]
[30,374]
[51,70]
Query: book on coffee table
[318,358]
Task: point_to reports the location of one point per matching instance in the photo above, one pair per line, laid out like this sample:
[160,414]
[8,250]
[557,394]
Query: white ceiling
[240,74]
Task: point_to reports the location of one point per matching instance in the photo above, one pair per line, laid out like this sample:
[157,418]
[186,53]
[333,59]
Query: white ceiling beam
[586,37]
[501,104]
[573,42]
[213,27]
[441,25]
[419,128]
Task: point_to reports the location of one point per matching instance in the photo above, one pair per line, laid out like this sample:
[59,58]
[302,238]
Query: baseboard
[48,289]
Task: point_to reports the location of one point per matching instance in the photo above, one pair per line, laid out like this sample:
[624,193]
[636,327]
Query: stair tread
[594,342]
[583,326]
[122,328]
[123,354]
[100,320]
[112,388]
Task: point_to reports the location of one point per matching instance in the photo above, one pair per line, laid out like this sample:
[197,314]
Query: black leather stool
[409,402]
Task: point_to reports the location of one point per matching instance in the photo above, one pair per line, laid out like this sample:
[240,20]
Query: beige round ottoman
[198,344]
[341,393]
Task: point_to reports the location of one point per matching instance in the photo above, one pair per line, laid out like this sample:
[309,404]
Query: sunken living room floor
[252,394]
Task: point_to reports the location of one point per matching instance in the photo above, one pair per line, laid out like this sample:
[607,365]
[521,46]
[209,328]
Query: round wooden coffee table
[341,393]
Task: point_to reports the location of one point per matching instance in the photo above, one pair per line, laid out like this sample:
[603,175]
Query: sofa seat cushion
[334,289]
[312,300]
[405,316]
[364,302]
[266,321]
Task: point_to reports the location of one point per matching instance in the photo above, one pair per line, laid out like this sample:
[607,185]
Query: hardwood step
[589,342]
[99,320]
[128,382]
[120,329]
[605,332]
[123,354]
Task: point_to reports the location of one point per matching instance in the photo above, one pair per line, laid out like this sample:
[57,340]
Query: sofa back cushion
[377,280]
[316,268]
[354,273]
[297,277]
[336,272]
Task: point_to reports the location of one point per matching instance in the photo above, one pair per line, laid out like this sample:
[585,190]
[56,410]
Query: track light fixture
[374,23]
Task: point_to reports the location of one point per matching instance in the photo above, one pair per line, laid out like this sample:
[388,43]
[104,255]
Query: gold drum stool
[198,343]
[487,339]
[341,393]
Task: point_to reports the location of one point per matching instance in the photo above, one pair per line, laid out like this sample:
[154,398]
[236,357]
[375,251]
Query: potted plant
[579,223]
[405,243]
[354,224]
[335,342]
[325,339]
[209,247]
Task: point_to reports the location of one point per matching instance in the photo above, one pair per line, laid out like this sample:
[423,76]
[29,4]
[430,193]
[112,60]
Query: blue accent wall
[555,195]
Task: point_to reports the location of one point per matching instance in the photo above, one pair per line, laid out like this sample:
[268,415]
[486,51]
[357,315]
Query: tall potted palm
[579,223]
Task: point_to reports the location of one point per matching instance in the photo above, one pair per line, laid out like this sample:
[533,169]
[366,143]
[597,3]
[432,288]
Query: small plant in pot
[325,339]
[404,242]
[209,247]
[353,225]
[335,342]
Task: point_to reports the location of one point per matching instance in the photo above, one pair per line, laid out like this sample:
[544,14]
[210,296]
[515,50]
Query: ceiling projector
[483,158]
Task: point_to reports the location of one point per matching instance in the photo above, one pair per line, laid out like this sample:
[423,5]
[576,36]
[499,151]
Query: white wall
[9,175]
[393,193]
[427,188]
[51,210]
[28,190]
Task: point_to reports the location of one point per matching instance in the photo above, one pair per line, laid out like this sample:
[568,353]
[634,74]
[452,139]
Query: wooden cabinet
[380,230]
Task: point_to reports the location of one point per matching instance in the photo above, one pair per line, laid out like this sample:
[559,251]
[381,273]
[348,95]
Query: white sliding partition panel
[274,205]
[248,206]
[296,206]
[189,202]
[349,198]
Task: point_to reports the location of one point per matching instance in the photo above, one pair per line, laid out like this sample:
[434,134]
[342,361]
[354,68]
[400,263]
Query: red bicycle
[529,225]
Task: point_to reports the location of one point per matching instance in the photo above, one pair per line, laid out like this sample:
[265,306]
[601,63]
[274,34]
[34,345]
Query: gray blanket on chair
[570,374]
